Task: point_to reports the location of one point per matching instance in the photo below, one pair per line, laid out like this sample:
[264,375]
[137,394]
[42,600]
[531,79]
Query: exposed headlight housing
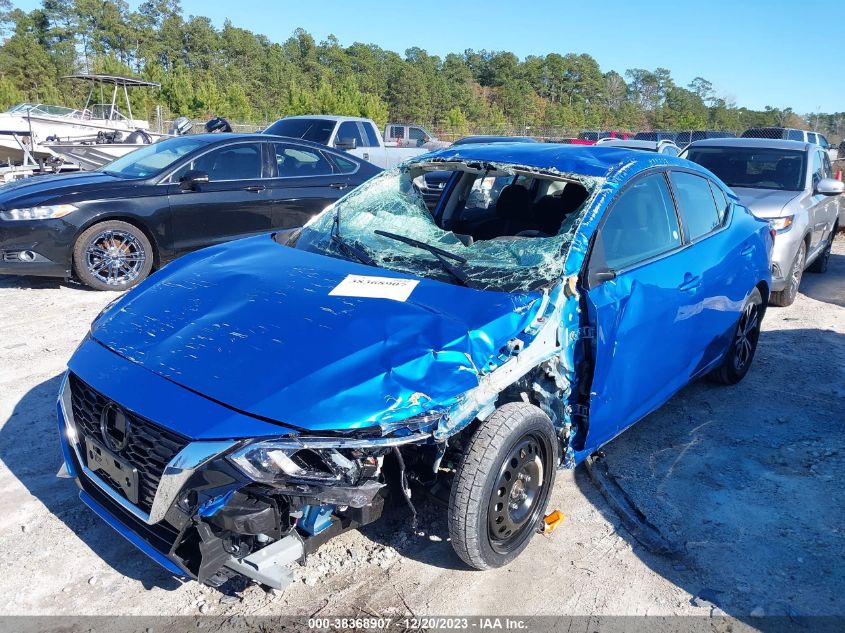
[47,212]
[324,460]
[273,462]
[781,225]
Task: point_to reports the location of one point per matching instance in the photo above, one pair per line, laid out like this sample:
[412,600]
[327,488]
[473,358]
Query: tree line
[232,72]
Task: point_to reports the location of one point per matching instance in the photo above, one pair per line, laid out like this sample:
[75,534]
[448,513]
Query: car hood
[38,190]
[766,203]
[254,325]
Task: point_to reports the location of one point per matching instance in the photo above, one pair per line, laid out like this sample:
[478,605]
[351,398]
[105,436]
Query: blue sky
[755,52]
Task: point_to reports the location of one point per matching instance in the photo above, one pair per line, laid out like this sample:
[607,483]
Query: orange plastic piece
[551,521]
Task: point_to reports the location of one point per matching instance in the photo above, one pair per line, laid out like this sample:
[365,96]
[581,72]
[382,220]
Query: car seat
[513,215]
[550,211]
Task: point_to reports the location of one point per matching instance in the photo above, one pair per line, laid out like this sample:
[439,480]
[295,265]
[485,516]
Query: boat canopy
[115,80]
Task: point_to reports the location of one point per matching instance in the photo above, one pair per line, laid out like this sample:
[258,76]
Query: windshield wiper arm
[350,250]
[439,253]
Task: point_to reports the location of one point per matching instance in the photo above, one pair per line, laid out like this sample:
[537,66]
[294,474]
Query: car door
[823,209]
[724,263]
[637,293]
[234,202]
[304,183]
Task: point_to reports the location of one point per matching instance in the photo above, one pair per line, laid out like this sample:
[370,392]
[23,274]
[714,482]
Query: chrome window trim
[175,474]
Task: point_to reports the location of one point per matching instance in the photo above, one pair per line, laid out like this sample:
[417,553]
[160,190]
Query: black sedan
[110,228]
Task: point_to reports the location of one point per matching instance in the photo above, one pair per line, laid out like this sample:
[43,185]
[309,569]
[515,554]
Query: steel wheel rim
[516,500]
[115,257]
[746,336]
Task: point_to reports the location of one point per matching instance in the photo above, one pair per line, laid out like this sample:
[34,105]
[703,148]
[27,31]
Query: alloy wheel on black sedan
[112,255]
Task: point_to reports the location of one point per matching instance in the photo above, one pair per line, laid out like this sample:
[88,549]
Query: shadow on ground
[29,447]
[828,287]
[746,480]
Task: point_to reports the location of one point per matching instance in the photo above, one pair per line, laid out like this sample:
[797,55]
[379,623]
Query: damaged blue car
[254,399]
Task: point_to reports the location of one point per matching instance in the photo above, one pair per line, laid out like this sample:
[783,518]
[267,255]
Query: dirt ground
[745,480]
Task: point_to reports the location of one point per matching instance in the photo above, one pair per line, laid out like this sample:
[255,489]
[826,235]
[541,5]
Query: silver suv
[789,183]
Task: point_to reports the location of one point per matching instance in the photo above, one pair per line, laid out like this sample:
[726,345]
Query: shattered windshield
[499,229]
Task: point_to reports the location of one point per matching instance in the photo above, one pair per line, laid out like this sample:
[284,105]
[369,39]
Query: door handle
[338,185]
[255,188]
[690,282]
[748,251]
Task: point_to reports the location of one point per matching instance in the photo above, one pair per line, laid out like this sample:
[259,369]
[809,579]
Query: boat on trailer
[48,126]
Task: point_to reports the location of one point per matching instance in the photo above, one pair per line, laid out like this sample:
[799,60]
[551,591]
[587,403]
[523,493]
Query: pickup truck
[404,135]
[355,135]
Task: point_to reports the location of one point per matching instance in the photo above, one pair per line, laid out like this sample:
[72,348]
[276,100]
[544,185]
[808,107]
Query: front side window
[296,162]
[348,130]
[642,224]
[827,167]
[696,203]
[816,167]
[152,159]
[232,162]
[417,134]
[372,136]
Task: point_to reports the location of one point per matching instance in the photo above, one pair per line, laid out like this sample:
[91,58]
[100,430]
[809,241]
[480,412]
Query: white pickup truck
[356,135]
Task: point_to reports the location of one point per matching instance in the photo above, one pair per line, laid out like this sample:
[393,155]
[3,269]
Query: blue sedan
[254,399]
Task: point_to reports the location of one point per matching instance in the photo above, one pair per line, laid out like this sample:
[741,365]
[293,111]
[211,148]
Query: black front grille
[149,447]
[160,536]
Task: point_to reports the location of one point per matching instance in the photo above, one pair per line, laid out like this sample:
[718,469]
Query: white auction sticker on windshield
[375,287]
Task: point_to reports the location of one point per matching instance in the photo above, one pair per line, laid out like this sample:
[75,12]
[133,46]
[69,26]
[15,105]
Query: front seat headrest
[514,202]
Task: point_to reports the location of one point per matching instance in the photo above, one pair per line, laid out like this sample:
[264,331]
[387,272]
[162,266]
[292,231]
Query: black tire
[820,263]
[494,487]
[786,297]
[112,255]
[743,345]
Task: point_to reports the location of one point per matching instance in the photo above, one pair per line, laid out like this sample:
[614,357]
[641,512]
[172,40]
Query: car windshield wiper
[350,250]
[439,253]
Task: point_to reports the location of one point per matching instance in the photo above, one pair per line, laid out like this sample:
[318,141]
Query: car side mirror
[191,179]
[830,187]
[346,144]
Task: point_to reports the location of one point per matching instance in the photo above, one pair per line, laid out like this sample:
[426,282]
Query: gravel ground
[745,480]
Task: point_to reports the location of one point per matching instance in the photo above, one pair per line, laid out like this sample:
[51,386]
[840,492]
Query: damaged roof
[587,160]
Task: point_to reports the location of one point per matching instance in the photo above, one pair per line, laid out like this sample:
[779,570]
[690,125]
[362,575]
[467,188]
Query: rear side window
[795,135]
[397,132]
[349,130]
[696,203]
[812,138]
[721,201]
[344,165]
[642,224]
[295,162]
